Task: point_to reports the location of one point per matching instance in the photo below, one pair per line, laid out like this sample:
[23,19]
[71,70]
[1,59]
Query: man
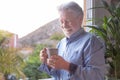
[80,54]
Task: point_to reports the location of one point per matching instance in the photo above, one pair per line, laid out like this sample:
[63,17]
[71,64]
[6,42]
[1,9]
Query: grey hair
[72,7]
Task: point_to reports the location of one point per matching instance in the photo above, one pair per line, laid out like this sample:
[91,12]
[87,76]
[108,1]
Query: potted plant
[109,31]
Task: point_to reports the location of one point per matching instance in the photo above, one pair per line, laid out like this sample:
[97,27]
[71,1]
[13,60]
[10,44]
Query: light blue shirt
[84,50]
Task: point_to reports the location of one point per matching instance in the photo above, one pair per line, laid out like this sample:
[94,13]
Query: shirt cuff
[72,68]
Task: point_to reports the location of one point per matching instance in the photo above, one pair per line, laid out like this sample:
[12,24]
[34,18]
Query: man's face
[70,23]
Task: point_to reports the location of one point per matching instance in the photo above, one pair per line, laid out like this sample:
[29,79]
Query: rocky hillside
[42,34]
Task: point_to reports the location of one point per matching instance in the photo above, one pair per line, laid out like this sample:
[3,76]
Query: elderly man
[80,54]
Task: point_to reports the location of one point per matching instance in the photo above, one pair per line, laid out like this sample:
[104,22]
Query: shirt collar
[75,35]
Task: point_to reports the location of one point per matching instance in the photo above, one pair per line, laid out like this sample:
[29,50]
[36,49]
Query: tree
[33,62]
[10,61]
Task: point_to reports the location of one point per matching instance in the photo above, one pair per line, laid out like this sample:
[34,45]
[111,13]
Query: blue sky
[24,16]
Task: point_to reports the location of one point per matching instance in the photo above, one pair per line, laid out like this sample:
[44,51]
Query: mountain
[42,34]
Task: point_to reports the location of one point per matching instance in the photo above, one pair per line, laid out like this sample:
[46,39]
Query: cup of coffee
[52,51]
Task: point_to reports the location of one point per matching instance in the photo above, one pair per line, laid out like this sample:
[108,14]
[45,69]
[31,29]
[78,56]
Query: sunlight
[24,16]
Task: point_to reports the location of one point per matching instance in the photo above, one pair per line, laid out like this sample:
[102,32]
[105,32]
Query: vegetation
[109,31]
[33,62]
[57,36]
[10,61]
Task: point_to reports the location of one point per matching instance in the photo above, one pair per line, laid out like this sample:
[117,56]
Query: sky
[24,16]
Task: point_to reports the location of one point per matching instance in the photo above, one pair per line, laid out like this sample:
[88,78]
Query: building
[13,41]
[94,14]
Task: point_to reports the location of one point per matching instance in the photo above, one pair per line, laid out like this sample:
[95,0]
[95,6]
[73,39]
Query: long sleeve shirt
[84,50]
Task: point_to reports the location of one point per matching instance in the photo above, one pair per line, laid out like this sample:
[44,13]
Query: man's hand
[43,56]
[57,62]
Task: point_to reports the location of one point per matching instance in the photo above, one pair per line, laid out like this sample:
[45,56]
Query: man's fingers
[43,53]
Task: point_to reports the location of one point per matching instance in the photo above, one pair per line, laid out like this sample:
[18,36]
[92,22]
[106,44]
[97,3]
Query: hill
[42,34]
